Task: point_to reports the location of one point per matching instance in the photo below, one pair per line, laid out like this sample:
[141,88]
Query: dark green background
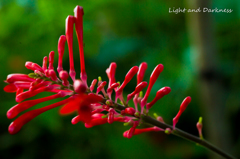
[127,32]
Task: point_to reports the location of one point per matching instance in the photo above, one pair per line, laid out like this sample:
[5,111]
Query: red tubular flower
[129,133]
[78,14]
[33,66]
[138,89]
[94,82]
[98,120]
[69,36]
[111,116]
[111,88]
[162,92]
[18,77]
[44,65]
[61,47]
[101,86]
[28,94]
[129,111]
[141,72]
[127,79]
[15,110]
[140,131]
[51,60]
[183,106]
[156,72]
[17,124]
[111,73]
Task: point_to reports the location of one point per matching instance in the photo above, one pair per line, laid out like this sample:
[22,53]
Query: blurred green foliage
[127,32]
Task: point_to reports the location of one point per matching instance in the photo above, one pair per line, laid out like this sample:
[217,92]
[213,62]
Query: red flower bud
[44,64]
[79,87]
[183,106]
[18,77]
[127,79]
[156,72]
[138,89]
[94,82]
[101,86]
[17,124]
[51,60]
[78,14]
[162,92]
[111,73]
[69,36]
[141,72]
[61,47]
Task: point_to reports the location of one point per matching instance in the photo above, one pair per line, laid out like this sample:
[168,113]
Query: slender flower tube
[28,94]
[51,60]
[17,124]
[44,64]
[18,77]
[162,92]
[111,73]
[15,110]
[138,89]
[101,86]
[127,79]
[156,72]
[111,88]
[183,106]
[69,36]
[61,47]
[94,82]
[140,131]
[78,14]
[141,72]
[33,66]
[111,116]
[131,131]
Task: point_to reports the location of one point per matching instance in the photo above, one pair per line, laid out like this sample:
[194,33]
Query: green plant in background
[93,108]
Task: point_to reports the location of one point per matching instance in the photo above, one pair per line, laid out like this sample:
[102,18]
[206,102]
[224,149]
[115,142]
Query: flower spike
[69,36]
[183,106]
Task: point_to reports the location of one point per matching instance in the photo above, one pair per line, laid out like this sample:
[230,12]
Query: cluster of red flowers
[93,108]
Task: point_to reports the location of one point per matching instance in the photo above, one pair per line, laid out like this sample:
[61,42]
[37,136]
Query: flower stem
[182,134]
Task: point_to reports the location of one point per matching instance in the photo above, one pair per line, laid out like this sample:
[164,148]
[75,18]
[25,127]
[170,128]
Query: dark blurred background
[199,51]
